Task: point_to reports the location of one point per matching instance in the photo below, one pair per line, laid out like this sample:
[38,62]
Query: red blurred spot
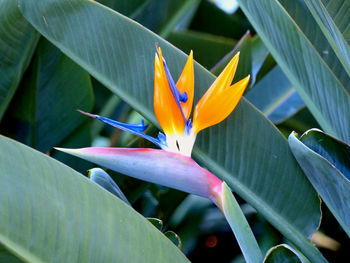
[211,242]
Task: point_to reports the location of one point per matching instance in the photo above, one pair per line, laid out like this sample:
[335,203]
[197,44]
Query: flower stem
[239,225]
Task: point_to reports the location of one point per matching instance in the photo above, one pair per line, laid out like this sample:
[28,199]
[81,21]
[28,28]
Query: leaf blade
[332,185]
[232,137]
[72,211]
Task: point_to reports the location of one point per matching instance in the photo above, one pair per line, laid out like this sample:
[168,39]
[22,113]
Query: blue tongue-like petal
[176,93]
[136,129]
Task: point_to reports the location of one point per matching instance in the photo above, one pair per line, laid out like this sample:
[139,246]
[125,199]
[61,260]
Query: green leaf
[80,137]
[244,46]
[326,162]
[261,169]
[169,13]
[275,96]
[240,226]
[100,177]
[50,213]
[333,19]
[297,43]
[173,237]
[259,55]
[200,43]
[284,254]
[17,43]
[45,106]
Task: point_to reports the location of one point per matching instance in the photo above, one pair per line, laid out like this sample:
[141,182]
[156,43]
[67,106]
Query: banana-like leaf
[333,19]
[275,96]
[200,43]
[50,213]
[245,150]
[297,43]
[259,55]
[17,43]
[244,46]
[326,162]
[169,13]
[284,253]
[45,106]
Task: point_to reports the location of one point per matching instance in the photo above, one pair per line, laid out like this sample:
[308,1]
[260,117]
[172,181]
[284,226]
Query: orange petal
[218,106]
[186,84]
[167,112]
[224,80]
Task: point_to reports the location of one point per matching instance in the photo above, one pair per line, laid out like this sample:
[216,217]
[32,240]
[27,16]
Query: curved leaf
[50,213]
[17,43]
[240,226]
[169,13]
[200,43]
[326,163]
[45,106]
[275,96]
[283,254]
[120,54]
[333,19]
[100,177]
[298,45]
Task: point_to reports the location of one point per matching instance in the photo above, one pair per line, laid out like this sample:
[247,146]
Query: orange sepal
[223,81]
[216,108]
[186,84]
[167,112]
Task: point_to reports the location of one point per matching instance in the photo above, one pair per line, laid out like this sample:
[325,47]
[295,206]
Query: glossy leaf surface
[120,54]
[325,161]
[17,43]
[303,53]
[41,197]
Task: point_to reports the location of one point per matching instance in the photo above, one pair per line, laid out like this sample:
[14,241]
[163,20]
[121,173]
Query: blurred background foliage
[40,96]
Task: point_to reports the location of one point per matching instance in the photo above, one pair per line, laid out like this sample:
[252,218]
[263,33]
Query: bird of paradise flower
[172,165]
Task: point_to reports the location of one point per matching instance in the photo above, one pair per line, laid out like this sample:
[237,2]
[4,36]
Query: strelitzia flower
[173,166]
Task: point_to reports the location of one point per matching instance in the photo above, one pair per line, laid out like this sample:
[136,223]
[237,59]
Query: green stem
[239,226]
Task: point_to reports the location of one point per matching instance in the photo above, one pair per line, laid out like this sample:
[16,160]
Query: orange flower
[173,102]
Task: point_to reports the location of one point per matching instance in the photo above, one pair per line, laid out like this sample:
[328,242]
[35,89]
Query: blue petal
[162,138]
[188,127]
[136,129]
[176,93]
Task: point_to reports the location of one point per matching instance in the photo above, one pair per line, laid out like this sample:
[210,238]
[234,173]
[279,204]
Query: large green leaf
[17,43]
[80,137]
[326,162]
[120,53]
[200,43]
[333,19]
[275,96]
[244,46]
[298,45]
[50,213]
[43,111]
[169,14]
